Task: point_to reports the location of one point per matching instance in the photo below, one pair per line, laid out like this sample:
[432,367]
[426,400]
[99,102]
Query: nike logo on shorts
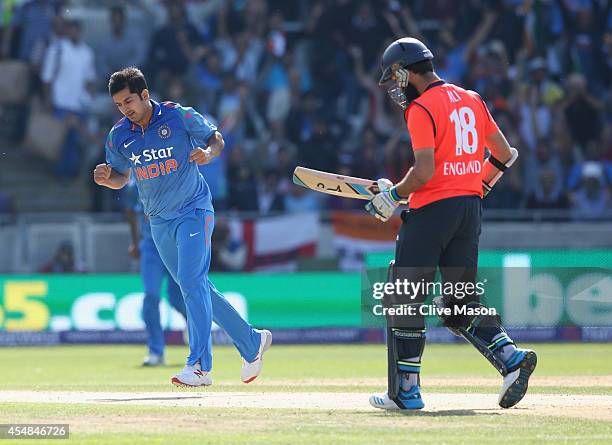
[193,234]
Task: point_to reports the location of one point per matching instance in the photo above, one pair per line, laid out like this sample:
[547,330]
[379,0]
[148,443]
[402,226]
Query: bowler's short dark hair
[131,78]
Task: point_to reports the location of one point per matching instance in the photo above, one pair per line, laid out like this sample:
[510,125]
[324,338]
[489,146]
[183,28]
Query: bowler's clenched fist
[200,155]
[102,174]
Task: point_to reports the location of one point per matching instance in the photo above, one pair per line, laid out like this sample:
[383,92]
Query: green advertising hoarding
[529,288]
[542,287]
[62,302]
[535,258]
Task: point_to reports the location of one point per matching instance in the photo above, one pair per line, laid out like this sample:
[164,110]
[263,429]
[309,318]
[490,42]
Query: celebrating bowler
[161,144]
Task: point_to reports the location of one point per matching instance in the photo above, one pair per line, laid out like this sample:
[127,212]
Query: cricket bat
[333,184]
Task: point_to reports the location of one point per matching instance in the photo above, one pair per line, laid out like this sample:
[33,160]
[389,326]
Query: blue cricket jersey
[168,184]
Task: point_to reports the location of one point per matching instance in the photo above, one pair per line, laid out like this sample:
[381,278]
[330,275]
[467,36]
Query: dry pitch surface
[594,407]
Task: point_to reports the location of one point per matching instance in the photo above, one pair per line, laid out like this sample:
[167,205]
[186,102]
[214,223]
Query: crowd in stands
[295,83]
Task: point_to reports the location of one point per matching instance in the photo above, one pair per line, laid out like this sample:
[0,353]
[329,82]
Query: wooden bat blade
[333,184]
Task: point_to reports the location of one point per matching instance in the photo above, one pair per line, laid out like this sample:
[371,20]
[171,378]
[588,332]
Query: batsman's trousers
[444,233]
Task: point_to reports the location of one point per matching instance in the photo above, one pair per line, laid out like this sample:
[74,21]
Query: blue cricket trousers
[152,273]
[184,245]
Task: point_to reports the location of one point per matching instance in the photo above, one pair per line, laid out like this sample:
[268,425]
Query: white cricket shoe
[251,370]
[409,400]
[192,376]
[153,360]
[382,401]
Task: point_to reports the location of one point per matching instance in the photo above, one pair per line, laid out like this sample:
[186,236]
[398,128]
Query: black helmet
[401,53]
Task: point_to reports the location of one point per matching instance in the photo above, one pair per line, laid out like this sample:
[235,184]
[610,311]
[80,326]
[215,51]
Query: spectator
[33,20]
[585,28]
[549,90]
[249,51]
[366,163]
[68,75]
[176,91]
[546,194]
[543,160]
[301,117]
[34,25]
[229,107]
[366,22]
[209,81]
[301,200]
[320,149]
[582,111]
[242,194]
[274,151]
[63,261]
[537,96]
[285,164]
[175,47]
[380,115]
[269,198]
[510,26]
[592,199]
[491,75]
[121,48]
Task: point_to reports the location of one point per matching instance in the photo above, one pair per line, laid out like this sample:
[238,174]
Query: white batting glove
[383,205]
[401,77]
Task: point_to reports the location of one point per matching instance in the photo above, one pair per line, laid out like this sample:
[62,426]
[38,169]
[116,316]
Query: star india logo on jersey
[164,167]
[164,131]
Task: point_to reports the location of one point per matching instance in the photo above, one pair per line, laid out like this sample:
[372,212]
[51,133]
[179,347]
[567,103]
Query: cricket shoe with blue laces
[250,370]
[410,399]
[192,376]
[520,365]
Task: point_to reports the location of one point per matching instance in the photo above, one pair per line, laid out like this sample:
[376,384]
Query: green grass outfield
[575,369]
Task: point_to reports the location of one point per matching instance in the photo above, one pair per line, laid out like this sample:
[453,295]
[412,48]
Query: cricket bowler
[161,144]
[449,128]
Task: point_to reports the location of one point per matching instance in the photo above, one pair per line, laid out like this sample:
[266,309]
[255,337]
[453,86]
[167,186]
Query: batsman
[449,128]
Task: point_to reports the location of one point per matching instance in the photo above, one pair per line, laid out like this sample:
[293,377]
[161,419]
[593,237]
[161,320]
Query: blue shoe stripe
[516,358]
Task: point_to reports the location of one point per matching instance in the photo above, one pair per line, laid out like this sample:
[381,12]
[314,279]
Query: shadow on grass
[442,413]
[164,366]
[136,399]
[162,398]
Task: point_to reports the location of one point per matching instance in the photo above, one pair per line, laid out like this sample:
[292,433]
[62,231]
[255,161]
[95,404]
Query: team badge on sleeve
[164,131]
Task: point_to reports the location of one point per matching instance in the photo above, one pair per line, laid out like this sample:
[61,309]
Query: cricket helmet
[402,53]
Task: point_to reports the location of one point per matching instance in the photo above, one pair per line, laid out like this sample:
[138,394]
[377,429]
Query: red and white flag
[274,243]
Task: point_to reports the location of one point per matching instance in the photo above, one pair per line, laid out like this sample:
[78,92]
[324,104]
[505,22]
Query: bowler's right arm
[106,176]
[110,173]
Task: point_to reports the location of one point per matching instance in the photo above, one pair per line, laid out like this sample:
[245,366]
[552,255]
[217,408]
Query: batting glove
[383,205]
[401,77]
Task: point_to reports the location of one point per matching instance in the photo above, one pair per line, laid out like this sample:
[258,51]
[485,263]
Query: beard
[403,96]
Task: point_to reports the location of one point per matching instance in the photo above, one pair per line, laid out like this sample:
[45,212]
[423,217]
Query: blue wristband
[394,195]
